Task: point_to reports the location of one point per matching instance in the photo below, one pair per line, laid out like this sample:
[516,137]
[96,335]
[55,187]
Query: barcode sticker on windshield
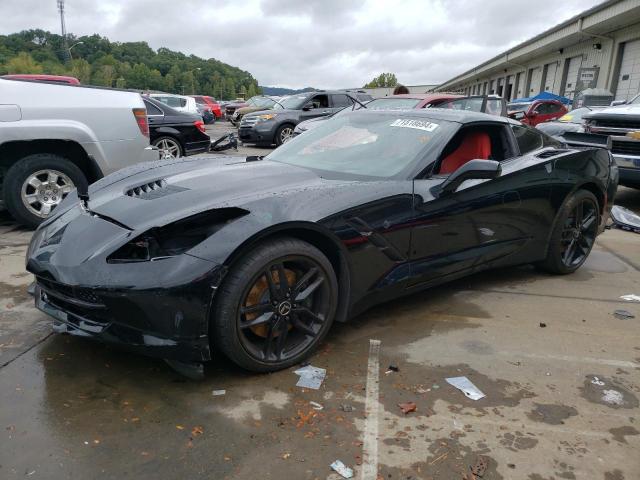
[418,124]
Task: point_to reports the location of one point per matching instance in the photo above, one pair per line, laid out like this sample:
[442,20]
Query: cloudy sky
[319,43]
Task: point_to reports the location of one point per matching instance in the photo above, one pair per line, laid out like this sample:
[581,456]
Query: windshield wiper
[361,104]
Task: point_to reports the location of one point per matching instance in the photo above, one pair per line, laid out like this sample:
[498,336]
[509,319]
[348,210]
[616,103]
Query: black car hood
[167,192]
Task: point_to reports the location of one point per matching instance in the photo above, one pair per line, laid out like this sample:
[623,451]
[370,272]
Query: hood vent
[156,189]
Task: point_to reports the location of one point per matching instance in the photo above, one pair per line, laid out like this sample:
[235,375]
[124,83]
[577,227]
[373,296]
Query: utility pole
[63,30]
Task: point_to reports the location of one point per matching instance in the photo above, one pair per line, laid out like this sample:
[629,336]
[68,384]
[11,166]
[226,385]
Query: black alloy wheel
[276,305]
[579,233]
[574,233]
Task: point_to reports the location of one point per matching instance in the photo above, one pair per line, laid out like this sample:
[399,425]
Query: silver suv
[56,137]
[622,124]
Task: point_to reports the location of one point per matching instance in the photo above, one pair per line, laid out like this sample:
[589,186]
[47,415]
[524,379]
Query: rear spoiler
[587,140]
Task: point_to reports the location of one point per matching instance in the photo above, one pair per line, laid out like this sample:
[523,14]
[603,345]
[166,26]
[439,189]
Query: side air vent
[551,153]
[156,189]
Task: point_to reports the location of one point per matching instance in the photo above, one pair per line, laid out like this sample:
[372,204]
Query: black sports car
[255,258]
[175,134]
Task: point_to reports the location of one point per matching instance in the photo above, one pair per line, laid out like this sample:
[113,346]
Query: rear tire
[169,147]
[266,326]
[37,183]
[573,235]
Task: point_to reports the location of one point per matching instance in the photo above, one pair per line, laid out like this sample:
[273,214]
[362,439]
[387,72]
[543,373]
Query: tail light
[199,124]
[141,119]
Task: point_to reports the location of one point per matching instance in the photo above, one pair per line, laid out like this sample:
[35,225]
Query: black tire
[278,140]
[158,140]
[20,172]
[241,343]
[573,232]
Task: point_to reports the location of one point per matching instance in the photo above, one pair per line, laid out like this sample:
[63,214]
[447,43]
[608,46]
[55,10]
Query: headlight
[266,116]
[175,238]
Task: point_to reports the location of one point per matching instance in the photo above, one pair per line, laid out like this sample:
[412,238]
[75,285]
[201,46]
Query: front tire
[283,134]
[573,235]
[275,306]
[36,184]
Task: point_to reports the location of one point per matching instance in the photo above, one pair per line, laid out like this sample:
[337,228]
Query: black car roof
[447,114]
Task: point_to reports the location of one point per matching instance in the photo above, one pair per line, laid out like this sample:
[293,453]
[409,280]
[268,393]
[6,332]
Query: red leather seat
[475,145]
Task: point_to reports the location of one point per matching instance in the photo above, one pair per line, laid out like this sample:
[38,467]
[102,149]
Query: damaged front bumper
[158,308]
[164,323]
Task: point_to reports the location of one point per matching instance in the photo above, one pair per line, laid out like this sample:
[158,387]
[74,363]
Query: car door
[483,222]
[316,106]
[155,116]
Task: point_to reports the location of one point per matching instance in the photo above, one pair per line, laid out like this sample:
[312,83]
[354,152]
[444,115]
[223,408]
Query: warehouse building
[599,48]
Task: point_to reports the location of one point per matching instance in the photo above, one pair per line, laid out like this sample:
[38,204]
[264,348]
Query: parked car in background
[254,104]
[209,102]
[55,137]
[207,115]
[181,103]
[174,133]
[539,111]
[569,122]
[361,95]
[231,107]
[44,78]
[622,124]
[267,127]
[476,103]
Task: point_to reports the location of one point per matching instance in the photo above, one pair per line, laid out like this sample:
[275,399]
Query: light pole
[77,43]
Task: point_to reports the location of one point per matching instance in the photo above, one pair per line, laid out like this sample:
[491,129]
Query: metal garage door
[550,83]
[572,76]
[629,80]
[536,78]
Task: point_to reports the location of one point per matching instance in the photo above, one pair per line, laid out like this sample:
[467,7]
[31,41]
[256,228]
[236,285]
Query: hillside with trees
[96,60]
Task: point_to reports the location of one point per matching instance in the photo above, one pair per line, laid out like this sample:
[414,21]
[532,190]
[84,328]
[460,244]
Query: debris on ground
[392,368]
[217,393]
[465,386]
[543,325]
[480,467]
[631,297]
[316,405]
[597,381]
[623,314]
[407,407]
[347,408]
[310,377]
[342,469]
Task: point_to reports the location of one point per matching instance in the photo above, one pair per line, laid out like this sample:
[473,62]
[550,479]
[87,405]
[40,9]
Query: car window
[152,109]
[340,100]
[528,139]
[393,103]
[554,107]
[320,101]
[473,104]
[518,107]
[364,144]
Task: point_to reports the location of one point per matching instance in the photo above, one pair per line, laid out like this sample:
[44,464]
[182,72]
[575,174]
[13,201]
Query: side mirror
[618,102]
[472,170]
[308,106]
[518,115]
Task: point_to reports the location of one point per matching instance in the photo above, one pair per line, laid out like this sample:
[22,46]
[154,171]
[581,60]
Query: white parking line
[371,409]
[570,358]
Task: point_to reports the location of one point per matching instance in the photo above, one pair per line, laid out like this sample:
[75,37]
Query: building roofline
[545,33]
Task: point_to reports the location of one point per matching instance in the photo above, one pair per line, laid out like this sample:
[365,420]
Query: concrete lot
[70,408]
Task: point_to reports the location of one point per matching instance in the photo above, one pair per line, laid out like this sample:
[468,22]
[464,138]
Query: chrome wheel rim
[283,309]
[43,191]
[285,134]
[168,148]
[579,233]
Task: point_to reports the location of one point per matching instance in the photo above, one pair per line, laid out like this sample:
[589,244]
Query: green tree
[251,91]
[81,69]
[23,63]
[121,83]
[383,80]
